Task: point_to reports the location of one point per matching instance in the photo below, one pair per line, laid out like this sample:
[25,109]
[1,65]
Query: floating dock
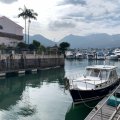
[103,111]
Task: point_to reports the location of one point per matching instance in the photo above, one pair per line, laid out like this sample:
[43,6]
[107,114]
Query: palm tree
[24,15]
[31,15]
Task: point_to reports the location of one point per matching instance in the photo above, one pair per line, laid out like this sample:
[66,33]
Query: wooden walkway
[104,111]
[116,115]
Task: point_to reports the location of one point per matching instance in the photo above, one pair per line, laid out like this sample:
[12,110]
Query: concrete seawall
[16,62]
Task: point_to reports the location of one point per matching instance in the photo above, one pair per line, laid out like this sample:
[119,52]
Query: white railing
[103,83]
[73,80]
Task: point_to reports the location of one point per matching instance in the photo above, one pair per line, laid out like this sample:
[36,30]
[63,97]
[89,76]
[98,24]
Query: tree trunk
[28,29]
[25,30]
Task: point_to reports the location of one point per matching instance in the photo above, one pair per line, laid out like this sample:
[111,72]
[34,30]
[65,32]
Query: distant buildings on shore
[10,32]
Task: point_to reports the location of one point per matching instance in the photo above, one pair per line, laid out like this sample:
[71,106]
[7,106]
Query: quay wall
[29,61]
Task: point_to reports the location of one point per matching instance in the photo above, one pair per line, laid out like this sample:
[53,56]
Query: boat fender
[66,82]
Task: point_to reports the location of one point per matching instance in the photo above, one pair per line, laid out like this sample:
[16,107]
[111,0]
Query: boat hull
[80,96]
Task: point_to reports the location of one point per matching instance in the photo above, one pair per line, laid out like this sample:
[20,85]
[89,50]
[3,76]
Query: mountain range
[101,40]
[93,41]
[44,41]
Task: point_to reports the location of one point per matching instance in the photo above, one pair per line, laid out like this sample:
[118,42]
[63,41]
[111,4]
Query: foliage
[31,47]
[2,47]
[41,49]
[63,47]
[27,14]
[22,45]
[36,44]
[31,14]
[23,13]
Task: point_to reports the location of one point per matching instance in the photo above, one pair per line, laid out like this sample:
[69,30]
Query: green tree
[2,47]
[31,47]
[24,15]
[41,49]
[22,46]
[36,44]
[31,15]
[63,47]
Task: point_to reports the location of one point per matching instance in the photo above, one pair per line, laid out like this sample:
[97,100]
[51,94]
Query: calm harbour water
[42,96]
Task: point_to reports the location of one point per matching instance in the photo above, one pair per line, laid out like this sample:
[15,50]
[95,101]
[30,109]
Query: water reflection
[80,111]
[78,67]
[17,94]
[42,96]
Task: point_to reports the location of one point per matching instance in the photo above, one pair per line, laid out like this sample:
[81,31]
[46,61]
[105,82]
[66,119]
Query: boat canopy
[97,75]
[100,71]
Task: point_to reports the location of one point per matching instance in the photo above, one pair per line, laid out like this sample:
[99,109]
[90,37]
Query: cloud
[61,24]
[93,11]
[58,18]
[87,17]
[74,2]
[8,1]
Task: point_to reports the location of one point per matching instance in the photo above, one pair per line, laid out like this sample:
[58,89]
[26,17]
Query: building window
[1,27]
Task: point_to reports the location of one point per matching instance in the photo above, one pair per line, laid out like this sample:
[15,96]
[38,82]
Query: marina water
[42,96]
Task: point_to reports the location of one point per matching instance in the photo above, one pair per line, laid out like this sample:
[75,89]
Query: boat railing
[75,78]
[100,109]
[86,83]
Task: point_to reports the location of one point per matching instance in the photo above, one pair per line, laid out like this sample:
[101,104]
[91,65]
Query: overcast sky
[58,18]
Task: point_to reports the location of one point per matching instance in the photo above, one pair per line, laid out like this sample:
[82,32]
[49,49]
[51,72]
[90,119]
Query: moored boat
[90,56]
[117,52]
[100,55]
[95,84]
[112,56]
[69,55]
[79,55]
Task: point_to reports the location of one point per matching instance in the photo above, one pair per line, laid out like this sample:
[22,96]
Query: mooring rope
[84,101]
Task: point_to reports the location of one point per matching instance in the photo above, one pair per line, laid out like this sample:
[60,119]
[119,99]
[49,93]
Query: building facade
[10,32]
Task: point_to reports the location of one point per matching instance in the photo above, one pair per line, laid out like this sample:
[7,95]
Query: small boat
[95,84]
[111,56]
[79,55]
[90,56]
[117,52]
[69,55]
[100,55]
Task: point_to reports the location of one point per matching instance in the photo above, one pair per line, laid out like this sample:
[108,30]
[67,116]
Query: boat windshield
[102,74]
[92,72]
[95,73]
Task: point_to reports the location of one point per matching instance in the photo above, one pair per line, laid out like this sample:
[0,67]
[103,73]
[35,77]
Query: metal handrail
[85,81]
[104,102]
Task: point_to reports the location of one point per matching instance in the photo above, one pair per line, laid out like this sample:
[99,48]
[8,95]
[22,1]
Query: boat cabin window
[93,72]
[88,71]
[103,74]
[113,75]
